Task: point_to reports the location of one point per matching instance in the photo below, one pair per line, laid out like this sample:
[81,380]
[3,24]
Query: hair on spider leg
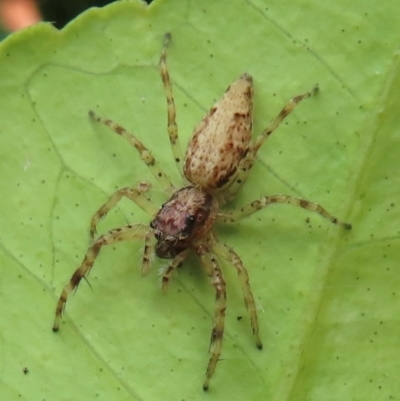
[88,283]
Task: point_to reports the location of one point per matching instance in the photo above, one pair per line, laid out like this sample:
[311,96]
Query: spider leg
[169,271]
[247,163]
[172,125]
[287,109]
[135,194]
[249,209]
[148,253]
[213,269]
[233,258]
[145,154]
[128,233]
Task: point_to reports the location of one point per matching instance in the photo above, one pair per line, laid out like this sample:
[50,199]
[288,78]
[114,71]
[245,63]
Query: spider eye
[189,223]
[157,235]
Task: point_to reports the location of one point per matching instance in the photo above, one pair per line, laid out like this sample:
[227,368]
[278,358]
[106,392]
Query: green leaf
[328,299]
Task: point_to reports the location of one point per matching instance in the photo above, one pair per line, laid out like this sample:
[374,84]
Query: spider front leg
[128,233]
[148,252]
[134,194]
[144,153]
[233,258]
[213,269]
[172,125]
[247,210]
[169,271]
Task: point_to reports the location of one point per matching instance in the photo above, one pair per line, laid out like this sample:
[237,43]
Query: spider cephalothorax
[218,160]
[187,216]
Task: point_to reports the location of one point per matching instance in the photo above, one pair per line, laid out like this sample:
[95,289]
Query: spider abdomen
[222,139]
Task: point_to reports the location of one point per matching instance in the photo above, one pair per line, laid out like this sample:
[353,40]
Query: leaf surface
[328,299]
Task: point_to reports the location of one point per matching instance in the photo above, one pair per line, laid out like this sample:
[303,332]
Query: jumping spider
[218,160]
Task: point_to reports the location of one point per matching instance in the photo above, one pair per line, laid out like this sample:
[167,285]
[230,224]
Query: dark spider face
[186,216]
